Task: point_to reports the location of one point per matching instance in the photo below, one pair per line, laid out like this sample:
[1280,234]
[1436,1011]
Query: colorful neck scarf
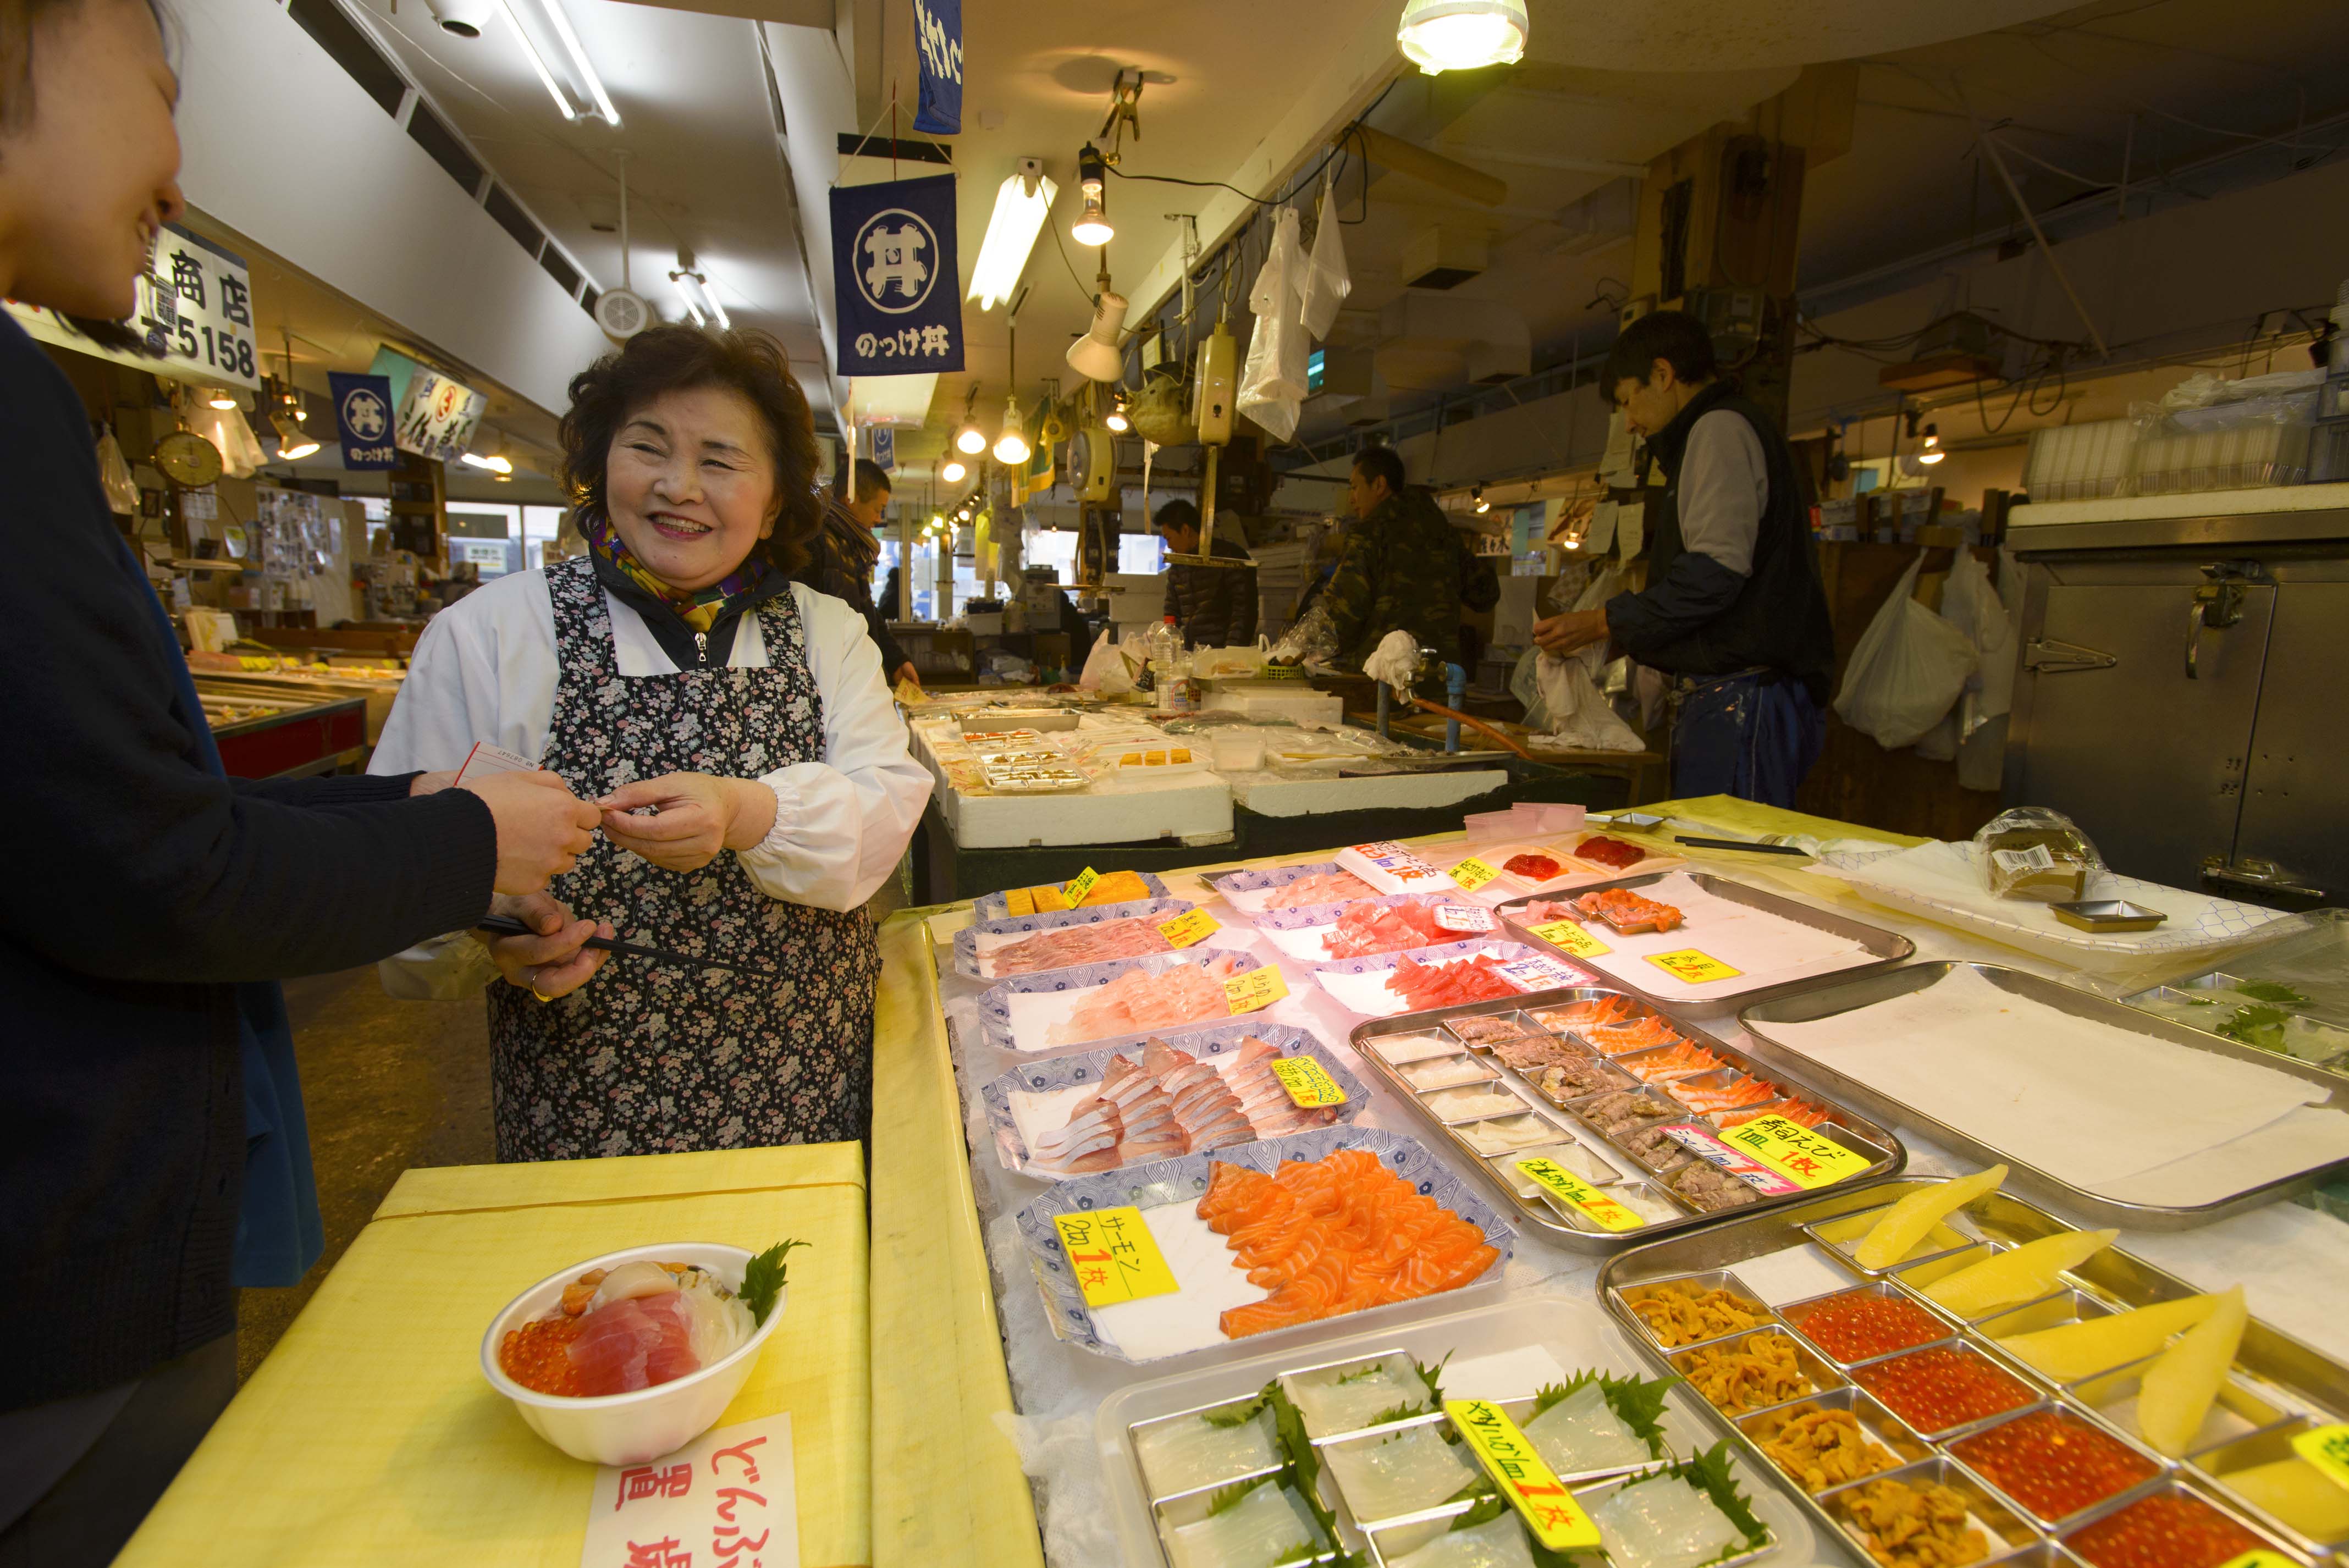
[698,608]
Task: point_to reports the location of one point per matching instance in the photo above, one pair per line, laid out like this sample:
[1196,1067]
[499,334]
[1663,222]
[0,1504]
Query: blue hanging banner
[895,278]
[938,25]
[884,447]
[363,420]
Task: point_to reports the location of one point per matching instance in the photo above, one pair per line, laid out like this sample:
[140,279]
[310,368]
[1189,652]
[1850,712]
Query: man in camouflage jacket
[1399,568]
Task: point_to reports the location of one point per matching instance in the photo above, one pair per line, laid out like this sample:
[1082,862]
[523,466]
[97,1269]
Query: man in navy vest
[1733,611]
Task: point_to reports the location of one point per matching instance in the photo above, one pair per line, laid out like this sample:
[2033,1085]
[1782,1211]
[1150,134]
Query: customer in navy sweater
[152,1152]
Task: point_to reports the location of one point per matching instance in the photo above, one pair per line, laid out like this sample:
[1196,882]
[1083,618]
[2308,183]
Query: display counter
[275,733]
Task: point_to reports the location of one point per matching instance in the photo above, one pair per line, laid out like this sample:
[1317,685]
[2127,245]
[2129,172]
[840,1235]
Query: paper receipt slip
[1548,1509]
[1113,1257]
[485,759]
[1308,1084]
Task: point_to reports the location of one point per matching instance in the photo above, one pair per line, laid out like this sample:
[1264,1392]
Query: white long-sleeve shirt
[1724,490]
[486,669]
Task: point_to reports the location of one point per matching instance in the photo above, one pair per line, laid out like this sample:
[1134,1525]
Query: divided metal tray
[1886,948]
[2279,1385]
[1846,995]
[1643,1189]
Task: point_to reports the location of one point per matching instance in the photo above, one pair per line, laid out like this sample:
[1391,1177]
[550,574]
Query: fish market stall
[1660,1110]
[276,733]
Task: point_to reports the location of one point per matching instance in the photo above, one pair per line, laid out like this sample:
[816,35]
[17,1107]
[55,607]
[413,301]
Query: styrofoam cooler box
[1298,704]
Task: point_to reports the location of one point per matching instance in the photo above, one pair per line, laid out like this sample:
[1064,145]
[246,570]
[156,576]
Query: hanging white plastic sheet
[1272,384]
[1327,281]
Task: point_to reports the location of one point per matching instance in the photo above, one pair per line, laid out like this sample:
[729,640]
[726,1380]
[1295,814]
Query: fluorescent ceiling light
[496,465]
[552,10]
[685,298]
[1012,233]
[1440,36]
[709,298]
[537,62]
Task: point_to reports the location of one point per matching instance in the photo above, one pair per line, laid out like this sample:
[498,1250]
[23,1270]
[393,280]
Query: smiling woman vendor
[733,725]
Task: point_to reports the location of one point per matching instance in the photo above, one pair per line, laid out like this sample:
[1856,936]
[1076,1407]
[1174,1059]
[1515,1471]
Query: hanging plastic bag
[1969,603]
[114,475]
[1327,281]
[1982,746]
[1272,383]
[1908,670]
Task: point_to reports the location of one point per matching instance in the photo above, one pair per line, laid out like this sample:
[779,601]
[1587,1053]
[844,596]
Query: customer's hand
[431,783]
[542,827]
[1562,635]
[696,815]
[553,962]
[906,676]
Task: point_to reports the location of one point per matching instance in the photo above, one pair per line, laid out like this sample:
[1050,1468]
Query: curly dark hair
[672,359]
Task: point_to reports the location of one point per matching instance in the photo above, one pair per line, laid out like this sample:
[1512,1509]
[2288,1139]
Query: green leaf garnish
[1709,1472]
[2270,991]
[2259,1027]
[1298,1553]
[1433,1376]
[1225,1501]
[1372,1370]
[1239,1416]
[762,1280]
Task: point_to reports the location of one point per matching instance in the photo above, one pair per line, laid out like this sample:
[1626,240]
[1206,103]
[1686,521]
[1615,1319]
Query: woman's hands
[696,816]
[553,963]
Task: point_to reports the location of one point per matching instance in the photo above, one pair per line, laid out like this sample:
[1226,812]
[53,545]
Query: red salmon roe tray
[1860,1325]
[1533,868]
[538,1355]
[2053,1463]
[2168,1530]
[1934,1390]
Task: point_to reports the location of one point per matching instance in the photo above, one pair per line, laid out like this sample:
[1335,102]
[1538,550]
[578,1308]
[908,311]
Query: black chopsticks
[1739,844]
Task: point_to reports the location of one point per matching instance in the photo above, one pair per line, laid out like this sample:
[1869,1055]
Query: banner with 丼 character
[895,278]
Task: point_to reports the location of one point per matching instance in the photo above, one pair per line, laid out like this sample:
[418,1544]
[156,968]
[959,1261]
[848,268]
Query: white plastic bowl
[629,1429]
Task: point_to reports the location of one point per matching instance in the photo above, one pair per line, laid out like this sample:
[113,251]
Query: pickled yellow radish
[2296,1492]
[2096,1345]
[2179,1389]
[2018,1274]
[1910,1220]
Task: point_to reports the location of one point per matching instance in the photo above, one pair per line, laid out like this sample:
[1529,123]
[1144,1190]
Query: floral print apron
[651,1059]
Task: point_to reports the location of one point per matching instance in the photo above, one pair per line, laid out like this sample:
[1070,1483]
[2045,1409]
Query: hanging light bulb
[1932,452]
[293,440]
[1091,227]
[954,471]
[1476,495]
[1116,418]
[219,398]
[1440,36]
[970,440]
[1011,448]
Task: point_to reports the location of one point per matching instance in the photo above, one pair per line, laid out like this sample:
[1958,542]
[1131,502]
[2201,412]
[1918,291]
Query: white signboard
[194,310]
[438,417]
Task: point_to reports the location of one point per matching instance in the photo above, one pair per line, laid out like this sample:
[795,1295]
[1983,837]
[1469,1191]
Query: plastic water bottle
[1170,668]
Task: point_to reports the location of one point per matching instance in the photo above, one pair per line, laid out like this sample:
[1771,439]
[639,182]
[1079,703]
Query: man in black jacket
[1734,609]
[1215,606]
[152,1152]
[844,552]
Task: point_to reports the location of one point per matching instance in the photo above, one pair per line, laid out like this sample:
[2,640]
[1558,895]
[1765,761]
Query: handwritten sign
[1257,988]
[1190,926]
[1539,974]
[1113,1256]
[729,1497]
[1388,866]
[2326,1448]
[1463,917]
[1082,885]
[1580,1195]
[1706,1145]
[1801,1156]
[1696,968]
[1307,1083]
[1549,1511]
[1569,935]
[1472,873]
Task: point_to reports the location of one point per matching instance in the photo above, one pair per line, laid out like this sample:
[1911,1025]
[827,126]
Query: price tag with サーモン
[1188,927]
[1113,1256]
[1549,1511]
[1472,873]
[1579,1196]
[1696,968]
[1569,935]
[1082,885]
[1801,1156]
[1308,1083]
[1257,988]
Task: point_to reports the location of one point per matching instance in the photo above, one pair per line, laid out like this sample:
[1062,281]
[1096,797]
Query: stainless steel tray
[1889,947]
[2279,1385]
[1846,995]
[1888,1157]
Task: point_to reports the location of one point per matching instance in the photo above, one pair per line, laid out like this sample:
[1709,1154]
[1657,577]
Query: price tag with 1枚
[1113,1256]
[1804,1157]
[1308,1083]
[1464,917]
[1579,1196]
[1539,974]
[1472,873]
[1696,968]
[1549,1511]
[1190,926]
[1570,936]
[1257,988]
[1081,884]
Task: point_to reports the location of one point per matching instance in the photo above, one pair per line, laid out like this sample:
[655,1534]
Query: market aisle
[387,1085]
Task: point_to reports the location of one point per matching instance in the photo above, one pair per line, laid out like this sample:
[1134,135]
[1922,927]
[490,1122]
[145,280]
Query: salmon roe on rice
[538,1356]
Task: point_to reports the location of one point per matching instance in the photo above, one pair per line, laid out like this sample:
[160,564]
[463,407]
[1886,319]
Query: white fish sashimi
[1417,1048]
[1459,1102]
[1386,1477]
[1581,1433]
[1178,1456]
[1663,1523]
[1495,1543]
[1443,1072]
[1266,1525]
[1340,1400]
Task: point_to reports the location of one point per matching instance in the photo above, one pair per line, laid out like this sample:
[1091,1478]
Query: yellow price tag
[1114,1256]
[1696,968]
[255,662]
[1472,873]
[1549,1511]
[1800,1155]
[2326,1448]
[1307,1083]
[1188,927]
[2259,1557]
[1084,884]
[1580,1195]
[1257,988]
[1571,936]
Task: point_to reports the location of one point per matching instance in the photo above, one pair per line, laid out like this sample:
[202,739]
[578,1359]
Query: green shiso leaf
[2270,991]
[1710,1474]
[762,1279]
[1639,1401]
[1239,1417]
[1372,1370]
[1230,1497]
[2261,1028]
